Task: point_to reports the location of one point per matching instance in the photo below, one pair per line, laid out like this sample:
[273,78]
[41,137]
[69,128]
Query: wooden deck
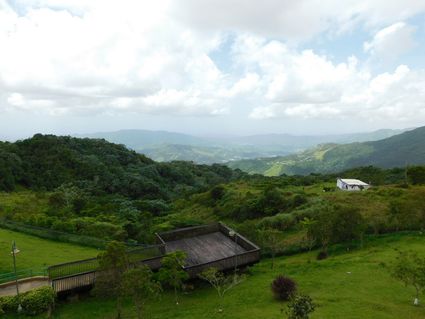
[205,248]
[214,245]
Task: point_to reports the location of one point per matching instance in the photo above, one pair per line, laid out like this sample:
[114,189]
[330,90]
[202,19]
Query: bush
[322,255]
[300,307]
[38,301]
[217,192]
[33,302]
[8,304]
[283,287]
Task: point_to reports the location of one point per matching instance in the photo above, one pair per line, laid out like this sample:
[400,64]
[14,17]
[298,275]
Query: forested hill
[397,151]
[48,161]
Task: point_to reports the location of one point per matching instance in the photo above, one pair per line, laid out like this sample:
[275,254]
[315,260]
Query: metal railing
[22,274]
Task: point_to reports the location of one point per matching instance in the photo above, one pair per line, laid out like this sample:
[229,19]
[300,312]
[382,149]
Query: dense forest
[46,162]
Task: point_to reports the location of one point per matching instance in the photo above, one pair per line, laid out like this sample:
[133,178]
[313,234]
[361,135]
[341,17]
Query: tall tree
[113,263]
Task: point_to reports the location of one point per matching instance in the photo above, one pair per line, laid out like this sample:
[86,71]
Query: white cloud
[113,52]
[107,57]
[295,20]
[309,86]
[391,42]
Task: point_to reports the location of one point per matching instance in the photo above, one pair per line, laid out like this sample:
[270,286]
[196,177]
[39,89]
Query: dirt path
[26,285]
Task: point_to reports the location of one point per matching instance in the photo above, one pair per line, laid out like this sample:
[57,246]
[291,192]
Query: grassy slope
[395,151]
[36,253]
[349,285]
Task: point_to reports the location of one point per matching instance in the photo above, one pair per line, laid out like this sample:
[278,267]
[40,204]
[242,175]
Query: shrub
[300,307]
[322,255]
[283,287]
[217,192]
[9,303]
[33,302]
[38,301]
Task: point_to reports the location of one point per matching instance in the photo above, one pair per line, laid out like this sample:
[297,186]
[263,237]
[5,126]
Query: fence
[53,234]
[82,273]
[22,274]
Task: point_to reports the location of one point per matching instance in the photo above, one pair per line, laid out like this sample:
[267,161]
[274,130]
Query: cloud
[305,85]
[62,57]
[296,20]
[86,63]
[391,42]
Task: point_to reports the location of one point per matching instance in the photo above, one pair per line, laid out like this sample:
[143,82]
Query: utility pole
[14,252]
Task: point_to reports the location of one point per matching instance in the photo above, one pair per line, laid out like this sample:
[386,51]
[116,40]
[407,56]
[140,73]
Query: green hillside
[46,162]
[400,150]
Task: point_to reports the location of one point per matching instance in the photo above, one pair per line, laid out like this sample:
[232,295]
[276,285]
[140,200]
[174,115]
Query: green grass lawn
[347,285]
[36,253]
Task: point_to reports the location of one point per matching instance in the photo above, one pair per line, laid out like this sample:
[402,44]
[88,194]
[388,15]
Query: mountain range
[407,148]
[168,146]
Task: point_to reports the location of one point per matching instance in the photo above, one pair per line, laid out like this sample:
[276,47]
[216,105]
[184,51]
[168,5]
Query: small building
[351,184]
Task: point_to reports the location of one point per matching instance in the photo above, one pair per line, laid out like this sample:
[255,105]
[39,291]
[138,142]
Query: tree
[416,174]
[322,228]
[271,240]
[409,268]
[113,263]
[300,307]
[220,282]
[335,224]
[172,272]
[217,192]
[306,224]
[138,284]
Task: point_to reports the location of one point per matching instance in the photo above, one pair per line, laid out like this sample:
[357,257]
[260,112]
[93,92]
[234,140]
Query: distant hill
[313,140]
[407,148]
[167,146]
[141,139]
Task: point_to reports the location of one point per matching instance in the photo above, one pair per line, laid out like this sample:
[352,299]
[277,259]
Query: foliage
[283,287]
[33,302]
[38,301]
[409,268]
[368,285]
[9,303]
[335,224]
[217,192]
[300,307]
[416,174]
[99,189]
[271,240]
[171,272]
[113,263]
[138,284]
[48,161]
[221,283]
[391,152]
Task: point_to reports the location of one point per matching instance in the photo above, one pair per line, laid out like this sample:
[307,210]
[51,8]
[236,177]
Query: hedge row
[33,302]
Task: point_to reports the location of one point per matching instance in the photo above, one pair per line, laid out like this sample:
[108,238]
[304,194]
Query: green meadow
[349,284]
[37,253]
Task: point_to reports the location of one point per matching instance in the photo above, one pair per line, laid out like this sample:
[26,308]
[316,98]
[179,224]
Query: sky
[211,67]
